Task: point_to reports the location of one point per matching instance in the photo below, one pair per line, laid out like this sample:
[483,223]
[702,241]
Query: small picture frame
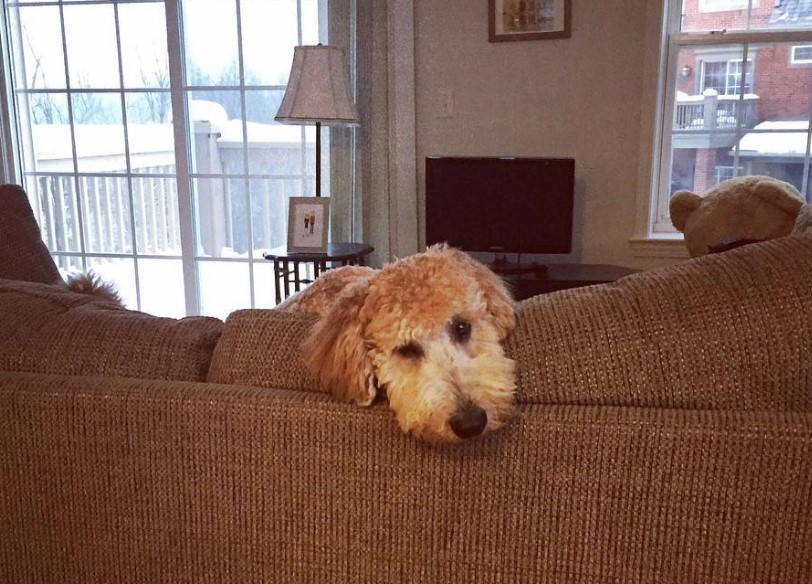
[308,219]
[528,20]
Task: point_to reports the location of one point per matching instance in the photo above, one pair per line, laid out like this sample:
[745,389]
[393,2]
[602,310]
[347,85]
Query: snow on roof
[208,111]
[683,97]
[784,138]
[53,141]
[231,133]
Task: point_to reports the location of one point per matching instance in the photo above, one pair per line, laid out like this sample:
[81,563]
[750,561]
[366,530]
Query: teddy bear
[737,211]
[803,224]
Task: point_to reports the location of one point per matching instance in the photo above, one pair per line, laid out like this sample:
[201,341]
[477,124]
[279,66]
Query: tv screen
[500,204]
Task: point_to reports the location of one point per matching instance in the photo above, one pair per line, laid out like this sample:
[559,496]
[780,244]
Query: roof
[782,138]
[792,13]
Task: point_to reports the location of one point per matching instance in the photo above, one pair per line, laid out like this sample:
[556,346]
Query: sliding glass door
[145,138]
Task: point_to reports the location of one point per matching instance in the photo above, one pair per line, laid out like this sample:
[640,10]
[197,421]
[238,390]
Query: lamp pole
[318,159]
[318,91]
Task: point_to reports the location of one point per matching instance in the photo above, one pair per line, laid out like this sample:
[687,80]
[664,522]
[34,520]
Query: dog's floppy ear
[497,296]
[335,350]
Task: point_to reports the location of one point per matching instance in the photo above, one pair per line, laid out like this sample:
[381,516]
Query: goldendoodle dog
[426,330]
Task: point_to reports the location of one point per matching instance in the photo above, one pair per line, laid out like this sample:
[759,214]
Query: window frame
[654,237]
[728,88]
[795,62]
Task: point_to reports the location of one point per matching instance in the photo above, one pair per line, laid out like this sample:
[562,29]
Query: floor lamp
[318,93]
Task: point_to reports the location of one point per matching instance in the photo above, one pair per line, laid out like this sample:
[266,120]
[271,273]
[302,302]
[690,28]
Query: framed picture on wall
[308,219]
[527,20]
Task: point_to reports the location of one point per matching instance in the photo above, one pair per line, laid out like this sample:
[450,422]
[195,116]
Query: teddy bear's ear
[803,223]
[680,207]
[336,352]
[779,193]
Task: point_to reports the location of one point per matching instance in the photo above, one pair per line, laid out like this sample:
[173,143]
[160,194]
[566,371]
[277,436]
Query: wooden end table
[286,264]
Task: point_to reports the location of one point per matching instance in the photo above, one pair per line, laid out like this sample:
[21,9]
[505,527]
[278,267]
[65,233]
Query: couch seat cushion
[49,329]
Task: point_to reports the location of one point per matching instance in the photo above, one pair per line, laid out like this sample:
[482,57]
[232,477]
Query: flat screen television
[500,204]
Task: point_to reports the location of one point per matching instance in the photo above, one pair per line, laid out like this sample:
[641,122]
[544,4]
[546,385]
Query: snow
[777,138]
[223,286]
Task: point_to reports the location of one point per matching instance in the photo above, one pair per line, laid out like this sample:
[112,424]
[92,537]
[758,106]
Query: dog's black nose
[468,421]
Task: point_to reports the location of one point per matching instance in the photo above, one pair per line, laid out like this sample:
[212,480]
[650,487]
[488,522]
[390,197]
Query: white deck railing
[103,208]
[101,204]
[710,111]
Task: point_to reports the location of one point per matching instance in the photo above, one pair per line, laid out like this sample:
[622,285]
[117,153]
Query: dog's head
[428,329]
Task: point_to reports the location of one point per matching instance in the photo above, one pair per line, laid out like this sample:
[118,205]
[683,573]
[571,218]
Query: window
[147,144]
[801,55]
[725,77]
[732,104]
[726,172]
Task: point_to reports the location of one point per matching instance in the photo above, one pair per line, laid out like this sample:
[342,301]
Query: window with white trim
[725,77]
[732,104]
[144,136]
[801,55]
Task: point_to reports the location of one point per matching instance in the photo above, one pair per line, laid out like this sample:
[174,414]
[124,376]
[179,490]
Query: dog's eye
[460,330]
[410,350]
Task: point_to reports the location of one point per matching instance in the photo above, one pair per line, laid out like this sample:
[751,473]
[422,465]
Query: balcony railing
[710,111]
[92,213]
[98,219]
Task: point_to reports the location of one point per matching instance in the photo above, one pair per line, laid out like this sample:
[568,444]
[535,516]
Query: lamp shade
[318,88]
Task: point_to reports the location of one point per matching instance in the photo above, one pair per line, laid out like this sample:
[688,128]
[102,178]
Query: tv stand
[504,267]
[531,279]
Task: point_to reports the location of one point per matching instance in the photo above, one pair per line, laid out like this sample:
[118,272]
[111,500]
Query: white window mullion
[182,156]
[77,181]
[244,178]
[721,37]
[127,162]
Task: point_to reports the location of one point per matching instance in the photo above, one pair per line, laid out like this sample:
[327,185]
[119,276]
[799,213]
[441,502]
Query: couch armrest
[260,347]
[23,254]
[122,480]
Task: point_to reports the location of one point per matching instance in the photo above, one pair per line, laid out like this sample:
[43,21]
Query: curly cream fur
[367,315]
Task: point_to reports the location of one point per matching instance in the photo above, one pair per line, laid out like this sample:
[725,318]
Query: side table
[555,277]
[286,264]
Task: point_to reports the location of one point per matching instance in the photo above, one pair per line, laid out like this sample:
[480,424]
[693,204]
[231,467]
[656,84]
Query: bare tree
[44,109]
[88,107]
[158,102]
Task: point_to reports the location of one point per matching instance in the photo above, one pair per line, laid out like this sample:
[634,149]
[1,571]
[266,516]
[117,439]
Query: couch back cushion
[260,347]
[49,329]
[23,255]
[730,330]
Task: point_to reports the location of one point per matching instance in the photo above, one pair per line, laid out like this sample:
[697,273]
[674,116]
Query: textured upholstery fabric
[49,329]
[261,348]
[664,435]
[23,255]
[146,481]
[697,335]
[730,330]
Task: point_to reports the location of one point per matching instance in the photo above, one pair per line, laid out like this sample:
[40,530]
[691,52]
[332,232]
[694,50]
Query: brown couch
[665,435]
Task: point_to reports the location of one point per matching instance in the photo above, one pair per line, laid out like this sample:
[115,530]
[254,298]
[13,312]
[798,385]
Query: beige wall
[579,97]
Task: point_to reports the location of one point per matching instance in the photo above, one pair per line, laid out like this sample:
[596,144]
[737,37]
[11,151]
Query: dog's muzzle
[468,421]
